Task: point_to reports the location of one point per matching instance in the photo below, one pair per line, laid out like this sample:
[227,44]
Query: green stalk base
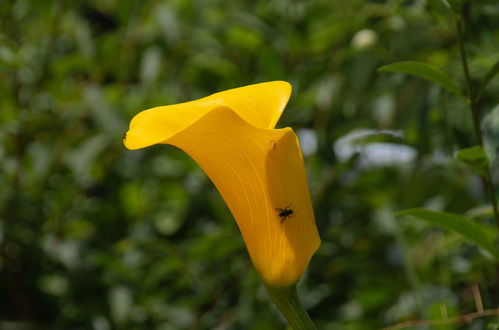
[287,301]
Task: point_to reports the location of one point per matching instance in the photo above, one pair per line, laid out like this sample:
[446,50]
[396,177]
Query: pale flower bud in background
[364,38]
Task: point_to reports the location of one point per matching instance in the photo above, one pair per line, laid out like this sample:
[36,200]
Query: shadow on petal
[288,188]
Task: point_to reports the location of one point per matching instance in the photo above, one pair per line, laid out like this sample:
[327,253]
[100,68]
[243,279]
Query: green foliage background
[93,236]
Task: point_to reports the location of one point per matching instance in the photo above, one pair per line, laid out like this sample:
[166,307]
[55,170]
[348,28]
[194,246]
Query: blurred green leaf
[490,75]
[476,233]
[475,158]
[426,71]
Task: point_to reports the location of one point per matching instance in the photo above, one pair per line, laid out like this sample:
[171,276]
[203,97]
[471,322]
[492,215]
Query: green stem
[473,103]
[287,301]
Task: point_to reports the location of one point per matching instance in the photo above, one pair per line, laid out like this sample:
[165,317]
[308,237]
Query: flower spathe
[257,169]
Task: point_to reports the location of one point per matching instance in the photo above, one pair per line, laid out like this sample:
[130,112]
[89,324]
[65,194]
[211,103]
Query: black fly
[285,213]
[124,136]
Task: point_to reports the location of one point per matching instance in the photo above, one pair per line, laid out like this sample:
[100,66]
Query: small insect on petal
[124,136]
[285,213]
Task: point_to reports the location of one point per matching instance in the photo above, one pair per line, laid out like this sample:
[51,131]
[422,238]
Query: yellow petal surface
[260,105]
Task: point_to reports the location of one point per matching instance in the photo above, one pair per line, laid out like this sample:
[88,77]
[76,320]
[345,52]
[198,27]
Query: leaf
[490,75]
[476,158]
[426,71]
[474,232]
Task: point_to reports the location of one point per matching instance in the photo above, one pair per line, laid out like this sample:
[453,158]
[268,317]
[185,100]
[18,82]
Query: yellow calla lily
[257,169]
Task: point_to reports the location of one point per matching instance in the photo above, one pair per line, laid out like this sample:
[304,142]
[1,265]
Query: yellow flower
[257,169]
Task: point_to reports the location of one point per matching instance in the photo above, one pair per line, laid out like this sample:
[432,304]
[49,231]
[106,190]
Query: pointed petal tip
[133,141]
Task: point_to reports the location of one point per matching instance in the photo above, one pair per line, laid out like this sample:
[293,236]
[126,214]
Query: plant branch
[473,103]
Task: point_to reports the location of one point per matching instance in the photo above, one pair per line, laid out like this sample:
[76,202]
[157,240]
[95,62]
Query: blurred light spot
[67,252]
[84,39]
[364,38]
[383,109]
[7,55]
[193,182]
[460,265]
[178,317]
[100,323]
[168,22]
[308,141]
[384,220]
[396,23]
[26,75]
[151,65]
[406,304]
[120,299]
[374,154]
[167,223]
[55,285]
[490,129]
[351,310]
[326,91]
[387,154]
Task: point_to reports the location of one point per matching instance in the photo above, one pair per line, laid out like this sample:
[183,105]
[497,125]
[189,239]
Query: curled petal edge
[261,105]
